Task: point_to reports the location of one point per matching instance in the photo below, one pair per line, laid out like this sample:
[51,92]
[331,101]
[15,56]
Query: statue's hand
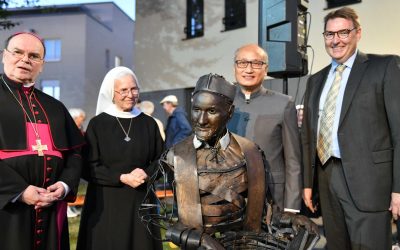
[297,221]
[207,242]
[303,221]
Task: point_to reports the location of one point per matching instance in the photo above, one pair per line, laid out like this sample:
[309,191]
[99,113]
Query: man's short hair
[259,49]
[346,13]
[29,33]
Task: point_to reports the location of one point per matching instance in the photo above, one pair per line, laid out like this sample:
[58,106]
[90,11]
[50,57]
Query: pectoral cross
[39,147]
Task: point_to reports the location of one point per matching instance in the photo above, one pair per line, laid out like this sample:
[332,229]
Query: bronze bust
[220,184]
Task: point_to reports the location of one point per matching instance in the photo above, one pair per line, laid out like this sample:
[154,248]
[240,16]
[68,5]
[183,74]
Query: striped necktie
[324,143]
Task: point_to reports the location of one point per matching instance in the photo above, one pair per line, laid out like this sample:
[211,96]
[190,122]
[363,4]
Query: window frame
[54,85]
[53,49]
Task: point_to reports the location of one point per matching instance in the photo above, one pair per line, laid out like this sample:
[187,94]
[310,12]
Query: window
[235,14]
[194,19]
[51,87]
[53,50]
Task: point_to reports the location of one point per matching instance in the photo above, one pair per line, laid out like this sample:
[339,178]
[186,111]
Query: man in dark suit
[357,162]
[269,119]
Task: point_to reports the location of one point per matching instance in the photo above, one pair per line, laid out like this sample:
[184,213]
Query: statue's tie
[324,144]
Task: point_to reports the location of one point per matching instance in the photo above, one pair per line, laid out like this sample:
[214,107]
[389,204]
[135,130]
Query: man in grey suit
[359,173]
[269,119]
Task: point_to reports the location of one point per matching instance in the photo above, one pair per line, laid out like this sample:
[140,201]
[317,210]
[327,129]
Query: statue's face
[210,114]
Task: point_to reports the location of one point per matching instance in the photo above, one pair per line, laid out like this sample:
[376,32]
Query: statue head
[212,107]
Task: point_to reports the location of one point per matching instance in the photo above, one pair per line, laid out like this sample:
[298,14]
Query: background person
[79,117]
[269,119]
[123,147]
[178,126]
[300,112]
[304,209]
[351,138]
[40,153]
[147,107]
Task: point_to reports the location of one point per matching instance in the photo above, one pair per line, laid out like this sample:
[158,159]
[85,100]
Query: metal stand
[285,85]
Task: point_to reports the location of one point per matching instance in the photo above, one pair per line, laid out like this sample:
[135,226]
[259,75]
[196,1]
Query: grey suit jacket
[368,133]
[269,119]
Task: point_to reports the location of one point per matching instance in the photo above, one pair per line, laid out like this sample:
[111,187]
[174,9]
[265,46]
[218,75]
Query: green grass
[74,225]
[74,228]
[73,231]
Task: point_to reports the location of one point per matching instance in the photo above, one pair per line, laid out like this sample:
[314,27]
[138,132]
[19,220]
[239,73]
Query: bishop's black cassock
[23,227]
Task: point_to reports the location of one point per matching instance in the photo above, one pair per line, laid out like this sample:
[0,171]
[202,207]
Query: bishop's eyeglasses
[125,92]
[254,64]
[342,34]
[19,54]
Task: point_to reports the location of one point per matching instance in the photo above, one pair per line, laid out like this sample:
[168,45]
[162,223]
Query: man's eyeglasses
[33,57]
[125,92]
[253,64]
[342,34]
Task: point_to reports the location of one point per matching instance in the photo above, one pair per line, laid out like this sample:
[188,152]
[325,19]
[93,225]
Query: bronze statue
[220,185]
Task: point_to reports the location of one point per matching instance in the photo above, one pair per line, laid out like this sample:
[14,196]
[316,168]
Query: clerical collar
[18,85]
[28,85]
[114,111]
[253,95]
[224,141]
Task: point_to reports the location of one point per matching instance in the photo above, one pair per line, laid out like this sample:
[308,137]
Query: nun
[123,145]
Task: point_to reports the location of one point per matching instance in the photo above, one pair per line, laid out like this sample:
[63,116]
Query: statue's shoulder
[243,140]
[178,149]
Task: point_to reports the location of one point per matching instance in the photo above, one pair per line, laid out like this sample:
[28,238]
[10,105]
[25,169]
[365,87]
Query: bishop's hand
[36,196]
[57,190]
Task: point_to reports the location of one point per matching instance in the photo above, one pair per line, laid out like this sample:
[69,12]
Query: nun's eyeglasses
[125,92]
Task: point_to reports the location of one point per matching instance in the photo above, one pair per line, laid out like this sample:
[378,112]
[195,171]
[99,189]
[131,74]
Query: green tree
[4,22]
